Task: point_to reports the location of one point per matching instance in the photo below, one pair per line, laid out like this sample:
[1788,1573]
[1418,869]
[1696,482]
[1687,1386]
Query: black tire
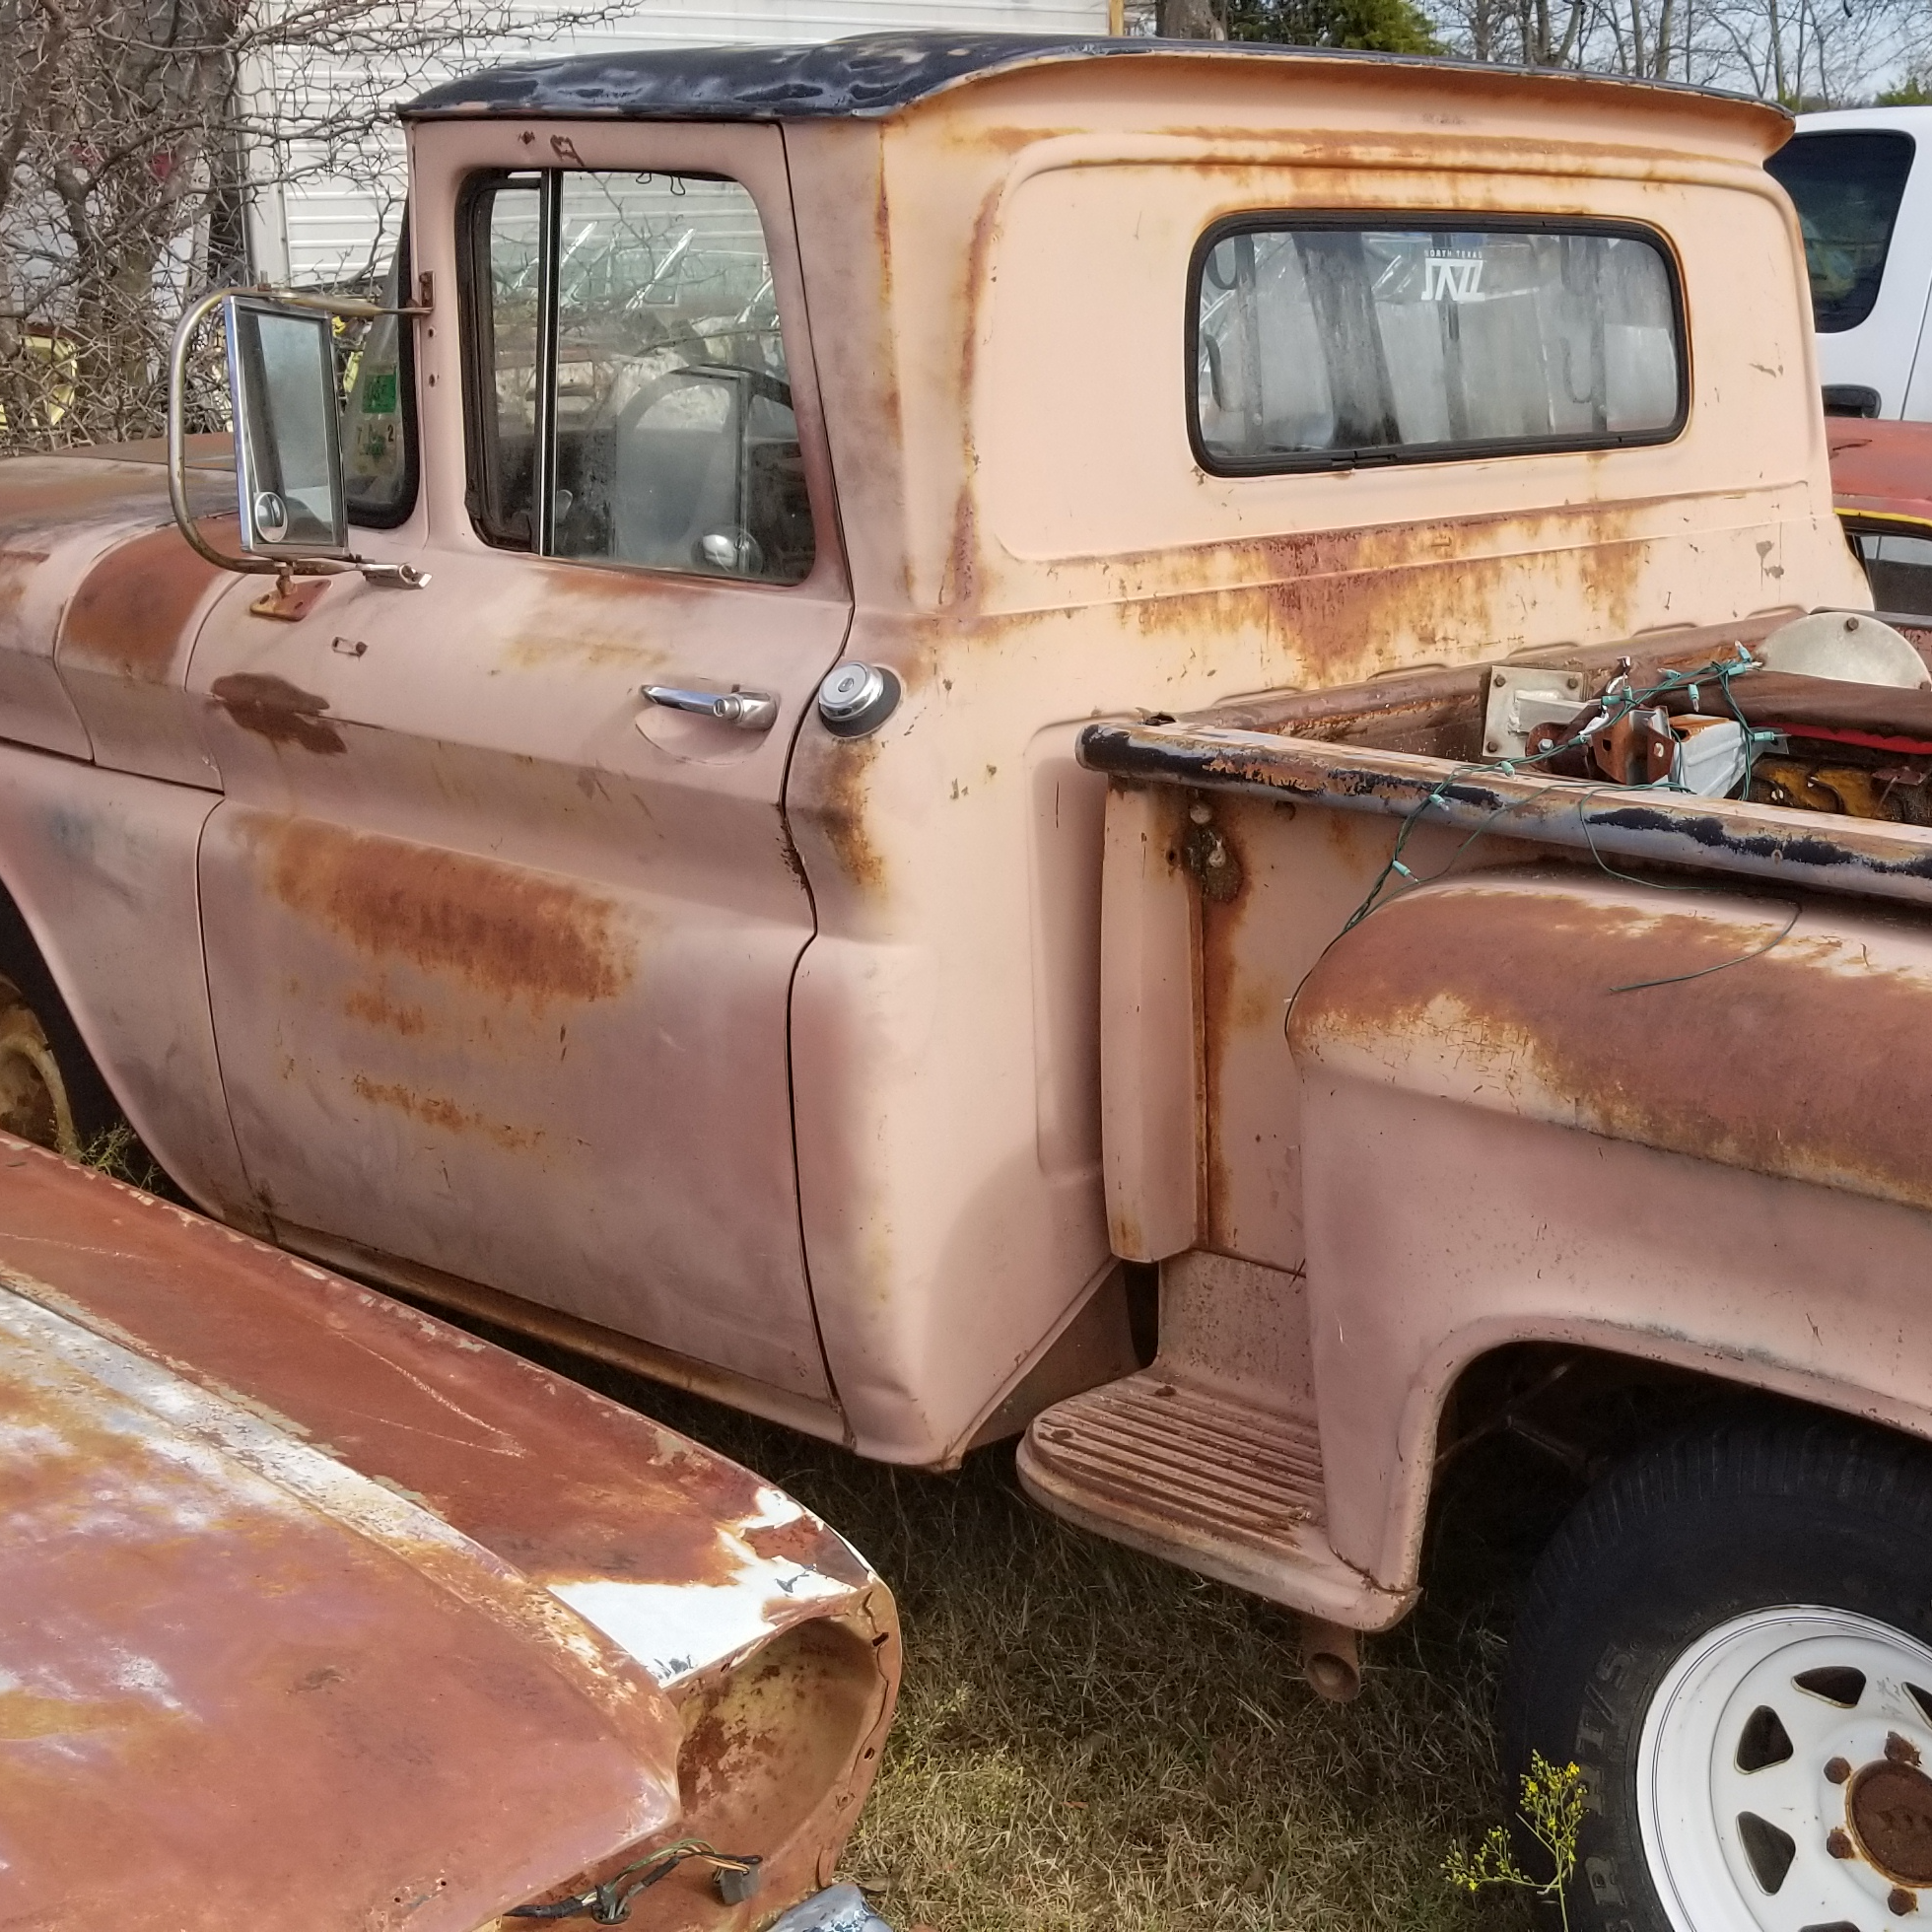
[1689,1535]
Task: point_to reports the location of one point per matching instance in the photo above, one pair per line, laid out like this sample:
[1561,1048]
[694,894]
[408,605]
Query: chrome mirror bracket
[401,576]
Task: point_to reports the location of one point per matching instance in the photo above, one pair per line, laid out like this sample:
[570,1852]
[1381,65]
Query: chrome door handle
[749,711]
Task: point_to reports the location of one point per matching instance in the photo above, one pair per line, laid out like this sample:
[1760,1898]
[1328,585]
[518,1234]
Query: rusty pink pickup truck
[1165,749]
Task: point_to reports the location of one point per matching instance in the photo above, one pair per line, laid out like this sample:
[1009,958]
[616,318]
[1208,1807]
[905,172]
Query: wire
[1617,706]
[1758,952]
[1720,671]
[609,1903]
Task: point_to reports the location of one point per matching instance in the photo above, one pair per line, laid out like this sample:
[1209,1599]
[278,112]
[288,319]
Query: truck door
[499,947]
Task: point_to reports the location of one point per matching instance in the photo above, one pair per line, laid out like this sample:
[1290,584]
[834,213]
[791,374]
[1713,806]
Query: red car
[1882,480]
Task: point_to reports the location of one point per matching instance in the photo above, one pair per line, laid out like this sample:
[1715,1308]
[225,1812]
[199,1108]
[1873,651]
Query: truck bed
[1344,893]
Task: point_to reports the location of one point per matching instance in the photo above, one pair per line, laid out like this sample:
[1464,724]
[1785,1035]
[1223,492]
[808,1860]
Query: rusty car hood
[1881,467]
[318,1609]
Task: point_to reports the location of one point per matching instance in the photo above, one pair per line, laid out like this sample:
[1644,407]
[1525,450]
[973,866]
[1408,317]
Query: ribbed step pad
[1157,1449]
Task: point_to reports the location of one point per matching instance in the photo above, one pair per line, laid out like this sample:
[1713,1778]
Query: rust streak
[376,1009]
[24,1715]
[1511,985]
[959,584]
[509,931]
[1341,606]
[274,708]
[134,612]
[843,814]
[433,1110]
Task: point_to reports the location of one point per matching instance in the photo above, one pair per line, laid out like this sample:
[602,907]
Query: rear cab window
[1327,342]
[630,401]
[1846,185]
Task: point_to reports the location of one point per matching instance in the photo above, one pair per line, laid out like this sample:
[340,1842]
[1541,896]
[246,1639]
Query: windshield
[1847,187]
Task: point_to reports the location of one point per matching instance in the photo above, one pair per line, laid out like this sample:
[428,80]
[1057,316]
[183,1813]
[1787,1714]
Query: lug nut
[1838,1842]
[1837,1770]
[1901,1901]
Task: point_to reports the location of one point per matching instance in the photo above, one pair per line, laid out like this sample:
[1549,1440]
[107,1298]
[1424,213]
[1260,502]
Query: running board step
[1207,1481]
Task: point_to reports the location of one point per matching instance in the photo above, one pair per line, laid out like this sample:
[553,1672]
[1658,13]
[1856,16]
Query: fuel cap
[856,698]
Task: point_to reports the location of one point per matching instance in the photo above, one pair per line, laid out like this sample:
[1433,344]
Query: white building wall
[318,229]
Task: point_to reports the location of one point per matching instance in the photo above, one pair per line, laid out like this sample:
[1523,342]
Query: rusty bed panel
[1589,1002]
[1525,1119]
[1867,857]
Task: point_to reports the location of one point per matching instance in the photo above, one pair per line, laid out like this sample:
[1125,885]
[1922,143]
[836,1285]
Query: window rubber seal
[1471,450]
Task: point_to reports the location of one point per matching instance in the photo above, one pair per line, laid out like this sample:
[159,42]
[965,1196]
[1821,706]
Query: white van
[1862,182]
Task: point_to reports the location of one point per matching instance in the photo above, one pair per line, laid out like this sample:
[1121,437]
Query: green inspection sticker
[379,396]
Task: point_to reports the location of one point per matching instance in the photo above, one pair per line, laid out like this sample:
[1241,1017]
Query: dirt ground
[1090,1741]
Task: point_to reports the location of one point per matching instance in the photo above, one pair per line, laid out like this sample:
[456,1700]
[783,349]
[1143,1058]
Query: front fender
[102,865]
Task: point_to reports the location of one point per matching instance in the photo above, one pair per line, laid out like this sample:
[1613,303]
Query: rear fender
[1723,1172]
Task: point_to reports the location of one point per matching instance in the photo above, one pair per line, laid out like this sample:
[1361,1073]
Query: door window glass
[1318,344]
[636,406]
[505,299]
[1847,187]
[378,422]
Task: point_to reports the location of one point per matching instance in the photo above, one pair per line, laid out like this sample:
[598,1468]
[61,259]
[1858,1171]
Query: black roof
[867,74]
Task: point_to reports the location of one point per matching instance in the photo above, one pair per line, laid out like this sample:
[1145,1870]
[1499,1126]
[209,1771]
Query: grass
[117,1153]
[1091,1741]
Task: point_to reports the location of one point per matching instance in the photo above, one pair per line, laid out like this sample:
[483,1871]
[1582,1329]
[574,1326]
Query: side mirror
[288,457]
[288,460]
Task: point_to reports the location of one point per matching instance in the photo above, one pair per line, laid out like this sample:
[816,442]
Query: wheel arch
[1593,1394]
[98,902]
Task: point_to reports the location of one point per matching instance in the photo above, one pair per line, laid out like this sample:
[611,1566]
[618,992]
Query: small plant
[1552,1808]
[117,1153]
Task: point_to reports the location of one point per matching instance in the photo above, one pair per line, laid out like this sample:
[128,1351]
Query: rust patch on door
[504,930]
[134,612]
[274,708]
[376,1009]
[435,1110]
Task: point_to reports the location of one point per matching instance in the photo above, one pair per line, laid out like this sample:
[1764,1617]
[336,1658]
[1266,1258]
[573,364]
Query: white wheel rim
[1846,1798]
